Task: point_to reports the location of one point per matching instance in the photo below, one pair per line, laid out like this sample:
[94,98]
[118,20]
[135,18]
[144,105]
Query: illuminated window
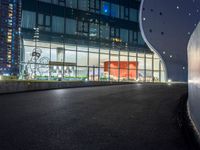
[105,8]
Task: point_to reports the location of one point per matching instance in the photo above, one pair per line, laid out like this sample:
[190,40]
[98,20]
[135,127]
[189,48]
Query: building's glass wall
[53,60]
[107,8]
[86,40]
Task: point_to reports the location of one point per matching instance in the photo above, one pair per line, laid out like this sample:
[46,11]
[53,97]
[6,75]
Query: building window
[71,26]
[59,2]
[114,32]
[133,15]
[124,35]
[94,6]
[140,39]
[28,19]
[57,24]
[115,10]
[133,38]
[83,28]
[94,30]
[124,14]
[46,1]
[71,3]
[44,22]
[105,32]
[83,5]
[105,8]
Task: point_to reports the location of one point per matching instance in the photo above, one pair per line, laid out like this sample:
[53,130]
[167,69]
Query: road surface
[124,117]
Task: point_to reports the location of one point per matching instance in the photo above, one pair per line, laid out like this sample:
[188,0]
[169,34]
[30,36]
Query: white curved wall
[167,30]
[194,76]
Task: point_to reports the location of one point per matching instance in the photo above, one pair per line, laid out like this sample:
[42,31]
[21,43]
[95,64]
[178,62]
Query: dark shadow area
[185,123]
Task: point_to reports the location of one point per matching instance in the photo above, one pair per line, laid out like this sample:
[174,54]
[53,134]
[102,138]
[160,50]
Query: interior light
[169,80]
[105,8]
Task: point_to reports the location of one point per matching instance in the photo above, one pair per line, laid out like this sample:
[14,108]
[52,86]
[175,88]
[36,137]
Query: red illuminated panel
[123,65]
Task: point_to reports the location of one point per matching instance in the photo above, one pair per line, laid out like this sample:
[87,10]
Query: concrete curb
[7,87]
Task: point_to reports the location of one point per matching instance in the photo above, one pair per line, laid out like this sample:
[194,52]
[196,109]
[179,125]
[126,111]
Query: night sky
[168,25]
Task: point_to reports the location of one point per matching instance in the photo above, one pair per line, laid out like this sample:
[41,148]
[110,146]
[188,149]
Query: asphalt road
[125,117]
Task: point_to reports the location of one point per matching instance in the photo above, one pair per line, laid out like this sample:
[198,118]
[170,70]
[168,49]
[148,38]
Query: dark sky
[168,25]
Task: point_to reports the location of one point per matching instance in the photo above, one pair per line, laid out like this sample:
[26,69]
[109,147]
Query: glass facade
[10,20]
[85,40]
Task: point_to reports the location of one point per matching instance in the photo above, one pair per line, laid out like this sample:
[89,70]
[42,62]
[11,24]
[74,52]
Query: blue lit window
[115,10]
[105,8]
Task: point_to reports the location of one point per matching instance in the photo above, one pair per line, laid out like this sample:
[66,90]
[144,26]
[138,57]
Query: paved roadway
[125,117]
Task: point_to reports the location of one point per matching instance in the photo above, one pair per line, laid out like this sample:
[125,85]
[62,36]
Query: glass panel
[103,74]
[163,77]
[140,63]
[132,59]
[28,19]
[149,64]
[82,48]
[156,77]
[102,50]
[140,54]
[104,31]
[47,21]
[69,73]
[92,49]
[141,76]
[58,24]
[94,30]
[40,19]
[71,3]
[114,74]
[114,62]
[132,75]
[132,54]
[82,73]
[82,59]
[140,39]
[93,74]
[122,12]
[105,8]
[115,10]
[156,64]
[162,67]
[133,15]
[93,59]
[83,5]
[70,56]
[124,74]
[70,47]
[124,35]
[71,25]
[104,58]
[47,1]
[149,77]
[124,58]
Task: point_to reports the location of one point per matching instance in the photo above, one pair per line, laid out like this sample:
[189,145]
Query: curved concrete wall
[166,28]
[194,76]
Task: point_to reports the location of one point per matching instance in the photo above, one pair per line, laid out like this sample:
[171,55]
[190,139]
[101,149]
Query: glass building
[10,20]
[97,40]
